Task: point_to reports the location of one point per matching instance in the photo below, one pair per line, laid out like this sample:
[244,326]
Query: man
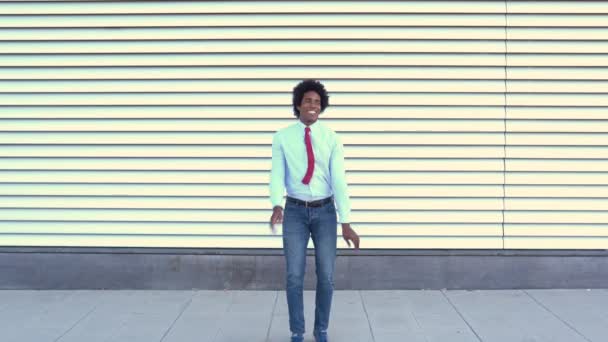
[308,160]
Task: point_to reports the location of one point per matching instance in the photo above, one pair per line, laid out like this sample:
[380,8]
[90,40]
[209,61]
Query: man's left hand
[349,234]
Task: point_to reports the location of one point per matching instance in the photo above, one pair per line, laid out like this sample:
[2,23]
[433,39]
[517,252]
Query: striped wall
[467,124]
[556,135]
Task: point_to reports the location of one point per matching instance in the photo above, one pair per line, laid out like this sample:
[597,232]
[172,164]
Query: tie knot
[307,130]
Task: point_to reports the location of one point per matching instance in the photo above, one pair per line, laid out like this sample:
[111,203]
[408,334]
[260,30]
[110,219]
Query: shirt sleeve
[277,173]
[338,181]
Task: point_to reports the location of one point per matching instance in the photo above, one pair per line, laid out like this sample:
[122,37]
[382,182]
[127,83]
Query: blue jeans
[300,223]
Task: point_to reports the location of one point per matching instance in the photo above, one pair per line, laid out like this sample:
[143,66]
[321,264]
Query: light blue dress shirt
[289,164]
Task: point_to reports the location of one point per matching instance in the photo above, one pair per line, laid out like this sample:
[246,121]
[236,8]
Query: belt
[312,204]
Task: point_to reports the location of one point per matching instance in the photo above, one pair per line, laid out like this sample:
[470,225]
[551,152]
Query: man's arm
[277,182]
[340,190]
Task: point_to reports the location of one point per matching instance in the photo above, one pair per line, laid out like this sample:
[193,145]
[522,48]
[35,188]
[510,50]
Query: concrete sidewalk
[183,316]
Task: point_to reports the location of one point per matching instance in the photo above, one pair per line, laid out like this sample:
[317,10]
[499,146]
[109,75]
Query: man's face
[310,108]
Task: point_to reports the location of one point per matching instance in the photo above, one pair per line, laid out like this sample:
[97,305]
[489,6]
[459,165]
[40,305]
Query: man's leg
[324,236]
[296,233]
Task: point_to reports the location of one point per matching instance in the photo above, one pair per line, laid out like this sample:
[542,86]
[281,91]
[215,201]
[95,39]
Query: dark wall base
[141,268]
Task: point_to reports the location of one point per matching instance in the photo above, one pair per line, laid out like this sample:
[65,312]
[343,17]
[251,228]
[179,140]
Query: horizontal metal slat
[556,178]
[169,20]
[393,242]
[555,33]
[540,230]
[249,99]
[557,73]
[572,125]
[239,215]
[557,100]
[557,20]
[268,59]
[557,216]
[586,87]
[252,190]
[517,242]
[561,152]
[570,191]
[267,72]
[245,150]
[556,204]
[556,165]
[406,45]
[562,7]
[572,59]
[261,112]
[250,125]
[257,86]
[249,229]
[222,33]
[520,51]
[188,203]
[255,7]
[580,113]
[570,139]
[252,177]
[264,138]
[236,164]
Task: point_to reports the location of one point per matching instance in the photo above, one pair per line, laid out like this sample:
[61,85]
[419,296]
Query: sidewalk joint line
[461,315]
[78,321]
[276,299]
[556,316]
[178,316]
[371,331]
[218,332]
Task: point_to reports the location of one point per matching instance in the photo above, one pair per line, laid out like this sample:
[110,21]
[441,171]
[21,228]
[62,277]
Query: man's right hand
[277,217]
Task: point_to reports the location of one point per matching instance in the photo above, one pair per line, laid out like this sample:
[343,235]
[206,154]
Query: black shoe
[321,336]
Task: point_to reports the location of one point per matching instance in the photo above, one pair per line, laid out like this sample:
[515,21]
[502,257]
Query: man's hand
[349,234]
[277,217]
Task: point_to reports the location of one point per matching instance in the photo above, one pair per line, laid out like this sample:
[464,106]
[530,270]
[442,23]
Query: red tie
[311,156]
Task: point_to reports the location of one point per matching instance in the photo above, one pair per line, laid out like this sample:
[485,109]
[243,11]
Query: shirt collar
[313,126]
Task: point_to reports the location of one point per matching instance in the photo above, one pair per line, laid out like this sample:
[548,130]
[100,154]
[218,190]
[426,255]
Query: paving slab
[248,317]
[41,315]
[134,316]
[348,320]
[510,315]
[201,320]
[585,311]
[415,316]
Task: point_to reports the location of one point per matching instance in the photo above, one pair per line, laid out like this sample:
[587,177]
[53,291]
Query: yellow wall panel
[248,86]
[239,164]
[552,191]
[250,72]
[481,20]
[138,202]
[229,138]
[408,42]
[145,124]
[244,150]
[249,229]
[243,242]
[241,215]
[230,33]
[261,190]
[559,242]
[268,59]
[218,7]
[557,178]
[243,177]
[470,111]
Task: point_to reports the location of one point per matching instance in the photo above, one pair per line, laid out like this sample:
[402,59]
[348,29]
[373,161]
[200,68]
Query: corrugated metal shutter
[150,123]
[556,167]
